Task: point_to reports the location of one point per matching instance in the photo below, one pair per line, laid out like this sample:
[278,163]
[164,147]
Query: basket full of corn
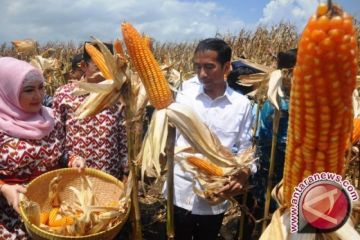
[66,204]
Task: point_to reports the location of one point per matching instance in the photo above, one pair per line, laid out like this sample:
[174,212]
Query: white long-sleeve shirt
[230,118]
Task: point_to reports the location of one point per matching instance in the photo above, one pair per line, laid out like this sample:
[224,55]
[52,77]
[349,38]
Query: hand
[11,194]
[236,185]
[77,162]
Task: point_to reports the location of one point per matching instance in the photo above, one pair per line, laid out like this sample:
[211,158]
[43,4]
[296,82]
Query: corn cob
[118,48]
[148,41]
[44,217]
[63,221]
[321,97]
[356,131]
[206,166]
[99,60]
[52,216]
[156,86]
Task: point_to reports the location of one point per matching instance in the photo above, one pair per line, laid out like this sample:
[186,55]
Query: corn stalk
[271,168]
[135,209]
[170,145]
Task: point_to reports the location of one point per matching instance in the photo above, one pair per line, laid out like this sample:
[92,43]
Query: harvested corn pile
[74,207]
[80,218]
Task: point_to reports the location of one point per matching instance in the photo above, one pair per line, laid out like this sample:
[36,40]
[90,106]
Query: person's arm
[238,182]
[11,194]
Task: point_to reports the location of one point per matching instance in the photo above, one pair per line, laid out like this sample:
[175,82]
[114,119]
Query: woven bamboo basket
[106,189]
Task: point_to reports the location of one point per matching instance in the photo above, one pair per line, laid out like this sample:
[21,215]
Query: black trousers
[189,226]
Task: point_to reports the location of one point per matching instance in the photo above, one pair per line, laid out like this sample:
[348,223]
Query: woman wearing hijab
[29,142]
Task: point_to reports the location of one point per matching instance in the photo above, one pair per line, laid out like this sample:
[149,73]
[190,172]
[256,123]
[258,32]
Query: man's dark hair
[218,45]
[87,57]
[286,59]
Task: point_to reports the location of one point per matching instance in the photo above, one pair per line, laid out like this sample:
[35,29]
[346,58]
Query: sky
[164,20]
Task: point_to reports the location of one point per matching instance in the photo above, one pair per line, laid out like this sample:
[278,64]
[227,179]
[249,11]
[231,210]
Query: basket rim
[91,171]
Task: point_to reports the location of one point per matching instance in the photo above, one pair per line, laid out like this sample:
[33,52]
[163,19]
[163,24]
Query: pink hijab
[14,121]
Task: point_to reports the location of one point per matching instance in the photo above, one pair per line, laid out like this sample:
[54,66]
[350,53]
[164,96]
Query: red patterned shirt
[20,161]
[100,139]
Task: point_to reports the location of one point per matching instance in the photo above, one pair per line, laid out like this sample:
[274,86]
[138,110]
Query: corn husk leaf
[54,191]
[154,143]
[104,94]
[26,46]
[105,86]
[274,90]
[197,134]
[210,184]
[251,79]
[139,99]
[356,103]
[45,64]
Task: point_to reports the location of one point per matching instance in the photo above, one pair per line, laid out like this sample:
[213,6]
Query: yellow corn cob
[98,59]
[44,217]
[148,41]
[156,86]
[356,131]
[206,166]
[62,222]
[118,48]
[52,216]
[320,105]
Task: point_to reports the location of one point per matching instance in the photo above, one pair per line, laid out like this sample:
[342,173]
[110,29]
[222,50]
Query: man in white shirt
[228,114]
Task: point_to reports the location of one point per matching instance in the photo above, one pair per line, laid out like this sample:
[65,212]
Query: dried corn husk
[274,90]
[197,134]
[108,92]
[45,64]
[54,191]
[356,103]
[210,184]
[26,46]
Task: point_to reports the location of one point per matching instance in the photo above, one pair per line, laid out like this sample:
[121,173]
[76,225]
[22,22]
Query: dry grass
[260,46]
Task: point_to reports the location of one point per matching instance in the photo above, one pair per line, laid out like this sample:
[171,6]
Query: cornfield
[260,46]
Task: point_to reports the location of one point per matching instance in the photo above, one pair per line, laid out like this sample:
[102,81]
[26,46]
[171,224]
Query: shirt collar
[228,94]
